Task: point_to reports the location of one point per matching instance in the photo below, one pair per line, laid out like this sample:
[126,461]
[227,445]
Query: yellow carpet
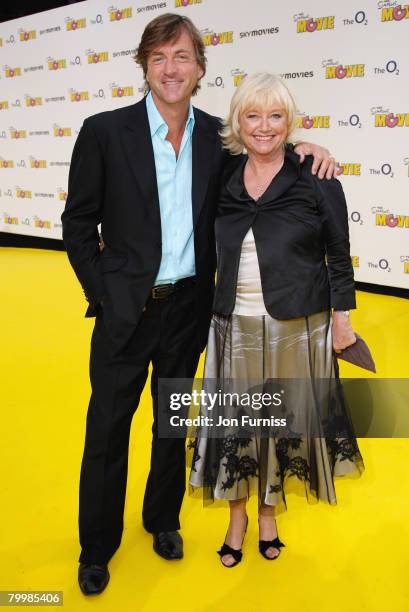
[346,558]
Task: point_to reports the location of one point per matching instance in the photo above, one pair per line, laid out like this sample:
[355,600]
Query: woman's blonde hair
[256,91]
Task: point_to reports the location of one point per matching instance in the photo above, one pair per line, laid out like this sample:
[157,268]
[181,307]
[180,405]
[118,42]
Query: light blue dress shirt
[174,179]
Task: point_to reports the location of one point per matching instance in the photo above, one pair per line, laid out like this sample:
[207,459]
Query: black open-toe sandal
[264,545]
[234,552]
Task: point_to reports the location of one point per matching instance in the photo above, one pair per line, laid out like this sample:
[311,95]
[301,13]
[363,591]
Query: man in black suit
[149,174]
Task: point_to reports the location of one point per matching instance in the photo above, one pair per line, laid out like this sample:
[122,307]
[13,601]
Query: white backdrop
[345,62]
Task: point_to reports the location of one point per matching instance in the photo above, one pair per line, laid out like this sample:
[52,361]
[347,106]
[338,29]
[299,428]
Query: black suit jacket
[300,227]
[112,181]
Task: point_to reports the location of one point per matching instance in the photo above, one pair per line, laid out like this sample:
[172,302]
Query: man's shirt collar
[157,123]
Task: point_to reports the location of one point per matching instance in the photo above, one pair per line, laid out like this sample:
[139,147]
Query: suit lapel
[283,180]
[137,143]
[203,142]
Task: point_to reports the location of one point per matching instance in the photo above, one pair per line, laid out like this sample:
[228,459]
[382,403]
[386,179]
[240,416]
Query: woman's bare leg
[237,525]
[267,527]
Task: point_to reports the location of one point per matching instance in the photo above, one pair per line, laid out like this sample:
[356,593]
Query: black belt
[161,292]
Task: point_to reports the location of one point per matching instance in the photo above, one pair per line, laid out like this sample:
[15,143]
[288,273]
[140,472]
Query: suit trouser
[166,336]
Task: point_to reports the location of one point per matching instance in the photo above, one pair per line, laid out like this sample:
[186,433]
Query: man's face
[173,71]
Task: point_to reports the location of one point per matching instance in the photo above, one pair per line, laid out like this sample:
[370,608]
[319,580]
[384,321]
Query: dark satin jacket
[300,227]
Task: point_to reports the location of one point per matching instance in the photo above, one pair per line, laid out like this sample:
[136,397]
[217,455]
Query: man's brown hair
[166,28]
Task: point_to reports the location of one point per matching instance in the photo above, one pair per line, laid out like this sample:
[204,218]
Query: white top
[249,295]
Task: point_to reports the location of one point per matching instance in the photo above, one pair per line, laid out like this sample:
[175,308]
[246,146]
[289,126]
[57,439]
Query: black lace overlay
[234,467]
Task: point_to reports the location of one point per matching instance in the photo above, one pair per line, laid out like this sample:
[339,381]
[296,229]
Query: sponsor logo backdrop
[346,63]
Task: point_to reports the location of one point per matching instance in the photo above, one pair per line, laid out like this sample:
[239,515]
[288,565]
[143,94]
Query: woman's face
[263,131]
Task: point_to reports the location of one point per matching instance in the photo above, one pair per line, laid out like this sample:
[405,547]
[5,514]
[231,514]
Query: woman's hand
[323,161]
[342,332]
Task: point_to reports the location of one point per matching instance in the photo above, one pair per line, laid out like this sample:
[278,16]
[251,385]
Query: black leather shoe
[92,578]
[168,544]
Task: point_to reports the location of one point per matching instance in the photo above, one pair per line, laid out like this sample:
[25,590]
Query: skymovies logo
[391,11]
[119,14]
[96,58]
[335,70]
[79,96]
[6,163]
[50,30]
[184,3]
[75,24]
[121,91]
[34,68]
[25,36]
[305,23]
[348,169]
[210,38]
[238,75]
[60,132]
[4,105]
[54,64]
[9,73]
[123,53]
[385,118]
[37,163]
[260,32]
[151,7]
[31,101]
[17,134]
[308,122]
[23,193]
[297,75]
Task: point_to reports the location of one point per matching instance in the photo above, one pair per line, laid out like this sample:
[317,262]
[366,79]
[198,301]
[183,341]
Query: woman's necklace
[261,187]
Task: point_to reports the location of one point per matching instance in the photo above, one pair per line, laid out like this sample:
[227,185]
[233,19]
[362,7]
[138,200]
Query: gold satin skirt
[259,348]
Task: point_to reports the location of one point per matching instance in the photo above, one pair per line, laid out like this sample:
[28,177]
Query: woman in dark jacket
[284,289]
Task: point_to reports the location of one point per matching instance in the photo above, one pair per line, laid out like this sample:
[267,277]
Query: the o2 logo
[384,265]
[386,170]
[98,20]
[355,121]
[392,67]
[360,18]
[355,217]
[218,82]
[76,61]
